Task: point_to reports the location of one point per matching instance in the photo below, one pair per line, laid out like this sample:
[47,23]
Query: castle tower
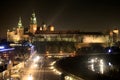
[20,29]
[115,35]
[20,23]
[33,24]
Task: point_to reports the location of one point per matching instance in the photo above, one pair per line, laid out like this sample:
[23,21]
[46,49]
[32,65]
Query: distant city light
[34,28]
[109,50]
[109,64]
[116,31]
[6,49]
[36,58]
[101,64]
[52,28]
[30,77]
[92,60]
[2,47]
[0,62]
[10,62]
[95,63]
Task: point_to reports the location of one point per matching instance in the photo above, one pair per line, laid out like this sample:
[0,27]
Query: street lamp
[30,77]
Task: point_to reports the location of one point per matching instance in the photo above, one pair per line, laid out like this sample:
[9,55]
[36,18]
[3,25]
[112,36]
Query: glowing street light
[116,31]
[30,77]
[2,47]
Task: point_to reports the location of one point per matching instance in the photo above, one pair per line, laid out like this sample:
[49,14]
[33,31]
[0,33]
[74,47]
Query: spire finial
[33,18]
[20,22]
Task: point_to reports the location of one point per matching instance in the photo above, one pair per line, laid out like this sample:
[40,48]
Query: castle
[48,33]
[19,33]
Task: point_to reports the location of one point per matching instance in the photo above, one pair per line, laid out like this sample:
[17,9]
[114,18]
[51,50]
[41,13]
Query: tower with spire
[33,24]
[20,23]
[20,29]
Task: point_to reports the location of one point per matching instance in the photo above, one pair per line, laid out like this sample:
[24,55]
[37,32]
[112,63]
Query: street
[40,70]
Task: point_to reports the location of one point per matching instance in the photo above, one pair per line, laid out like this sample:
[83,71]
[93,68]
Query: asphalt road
[40,70]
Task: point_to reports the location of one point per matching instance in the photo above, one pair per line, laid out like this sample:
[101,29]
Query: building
[17,34]
[6,53]
[44,33]
[33,24]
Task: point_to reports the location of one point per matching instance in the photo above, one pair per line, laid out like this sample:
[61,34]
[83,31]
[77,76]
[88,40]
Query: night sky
[85,15]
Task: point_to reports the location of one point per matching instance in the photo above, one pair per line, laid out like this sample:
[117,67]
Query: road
[40,70]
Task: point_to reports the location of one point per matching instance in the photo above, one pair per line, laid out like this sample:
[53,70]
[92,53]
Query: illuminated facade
[33,24]
[72,36]
[114,36]
[48,33]
[48,40]
[17,34]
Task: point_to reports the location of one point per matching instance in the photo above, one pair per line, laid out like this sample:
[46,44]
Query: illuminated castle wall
[48,33]
[17,34]
[33,24]
[72,36]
